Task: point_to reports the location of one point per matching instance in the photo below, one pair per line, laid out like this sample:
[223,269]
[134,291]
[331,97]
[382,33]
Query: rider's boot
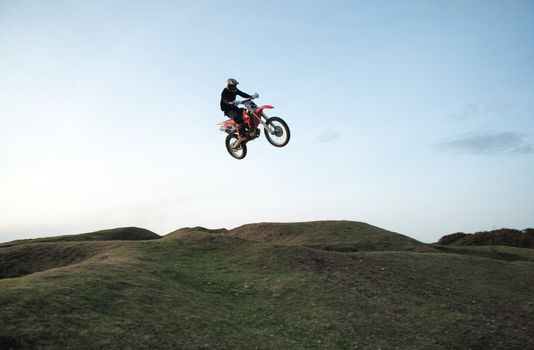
[240,132]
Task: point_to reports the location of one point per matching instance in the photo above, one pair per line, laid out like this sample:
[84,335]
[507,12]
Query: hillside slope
[121,233]
[223,292]
[506,253]
[345,236]
[194,232]
[24,259]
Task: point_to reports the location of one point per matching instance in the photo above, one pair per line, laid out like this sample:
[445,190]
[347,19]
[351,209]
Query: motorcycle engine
[254,133]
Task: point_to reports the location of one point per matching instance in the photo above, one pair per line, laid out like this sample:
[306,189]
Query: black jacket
[228,96]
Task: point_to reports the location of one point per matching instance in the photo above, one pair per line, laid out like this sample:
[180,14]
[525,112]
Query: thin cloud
[489,144]
[488,110]
[470,111]
[498,109]
[328,137]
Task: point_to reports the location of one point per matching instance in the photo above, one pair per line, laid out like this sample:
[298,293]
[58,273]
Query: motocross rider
[229,107]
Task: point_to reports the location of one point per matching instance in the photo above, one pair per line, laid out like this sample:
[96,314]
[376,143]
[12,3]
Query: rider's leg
[239,128]
[240,123]
[237,115]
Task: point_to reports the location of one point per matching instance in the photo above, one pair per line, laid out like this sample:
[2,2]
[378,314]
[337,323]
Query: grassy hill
[24,259]
[346,236]
[194,232]
[222,290]
[121,234]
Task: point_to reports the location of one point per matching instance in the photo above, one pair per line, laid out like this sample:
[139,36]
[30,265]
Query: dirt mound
[502,237]
[194,232]
[116,234]
[344,236]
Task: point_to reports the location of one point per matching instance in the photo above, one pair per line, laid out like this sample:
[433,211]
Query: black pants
[237,115]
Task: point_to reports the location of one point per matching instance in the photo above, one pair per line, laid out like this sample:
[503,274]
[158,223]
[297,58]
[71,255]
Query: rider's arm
[242,94]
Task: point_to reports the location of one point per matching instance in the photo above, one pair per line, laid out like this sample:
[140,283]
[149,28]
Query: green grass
[222,292]
[342,236]
[507,253]
[121,233]
[193,232]
[24,259]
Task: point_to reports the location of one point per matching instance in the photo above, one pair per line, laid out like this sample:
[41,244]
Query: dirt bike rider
[229,107]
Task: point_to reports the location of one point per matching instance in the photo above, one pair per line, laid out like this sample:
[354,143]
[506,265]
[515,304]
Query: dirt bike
[275,128]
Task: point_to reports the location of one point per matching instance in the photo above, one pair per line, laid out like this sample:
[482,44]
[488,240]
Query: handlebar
[237,102]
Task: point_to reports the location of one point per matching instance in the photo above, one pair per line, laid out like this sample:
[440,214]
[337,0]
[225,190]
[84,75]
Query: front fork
[265,125]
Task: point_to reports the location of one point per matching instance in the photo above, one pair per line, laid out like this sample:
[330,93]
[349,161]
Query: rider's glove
[255,95]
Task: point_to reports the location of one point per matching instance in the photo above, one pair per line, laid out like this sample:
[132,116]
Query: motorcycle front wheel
[277,132]
[238,152]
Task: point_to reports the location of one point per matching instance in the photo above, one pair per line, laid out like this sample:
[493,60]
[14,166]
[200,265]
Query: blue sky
[414,116]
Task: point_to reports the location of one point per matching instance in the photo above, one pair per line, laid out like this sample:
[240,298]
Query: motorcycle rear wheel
[281,133]
[238,152]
